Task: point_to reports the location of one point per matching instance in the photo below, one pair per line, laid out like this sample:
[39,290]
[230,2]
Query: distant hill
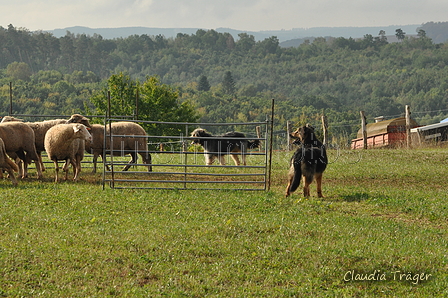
[282,35]
[298,41]
[438,32]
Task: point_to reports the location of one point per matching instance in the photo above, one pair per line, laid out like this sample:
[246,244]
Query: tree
[400,34]
[368,40]
[160,102]
[381,39]
[268,45]
[203,84]
[19,71]
[421,33]
[122,90]
[228,84]
[246,42]
[156,102]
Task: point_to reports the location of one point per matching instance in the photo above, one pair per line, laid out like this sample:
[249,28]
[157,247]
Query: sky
[249,15]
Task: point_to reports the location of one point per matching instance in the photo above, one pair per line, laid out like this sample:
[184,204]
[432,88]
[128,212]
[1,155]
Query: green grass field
[383,218]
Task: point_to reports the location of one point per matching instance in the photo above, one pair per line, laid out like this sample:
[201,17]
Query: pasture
[383,218]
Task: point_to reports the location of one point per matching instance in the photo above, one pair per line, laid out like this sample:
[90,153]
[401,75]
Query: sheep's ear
[76,128]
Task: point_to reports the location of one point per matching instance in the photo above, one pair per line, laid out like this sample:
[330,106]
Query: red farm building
[386,133]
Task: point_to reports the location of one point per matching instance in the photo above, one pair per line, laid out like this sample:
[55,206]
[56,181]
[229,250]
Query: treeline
[231,80]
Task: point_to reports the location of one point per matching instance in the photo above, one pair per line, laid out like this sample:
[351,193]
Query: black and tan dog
[219,146]
[309,161]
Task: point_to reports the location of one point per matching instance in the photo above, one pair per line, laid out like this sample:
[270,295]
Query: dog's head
[199,133]
[304,134]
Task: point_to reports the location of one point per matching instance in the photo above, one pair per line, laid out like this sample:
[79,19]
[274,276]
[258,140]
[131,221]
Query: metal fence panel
[176,164]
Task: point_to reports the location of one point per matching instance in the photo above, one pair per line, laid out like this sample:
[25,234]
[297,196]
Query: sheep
[19,140]
[7,164]
[67,142]
[123,143]
[40,129]
[10,119]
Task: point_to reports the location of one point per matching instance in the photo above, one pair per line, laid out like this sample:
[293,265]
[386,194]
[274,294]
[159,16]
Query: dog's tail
[295,175]
[253,144]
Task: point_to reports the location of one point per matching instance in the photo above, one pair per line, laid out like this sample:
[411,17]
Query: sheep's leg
[38,168]
[23,167]
[42,166]
[107,166]
[11,176]
[65,167]
[19,164]
[77,168]
[28,160]
[133,160]
[147,160]
[56,168]
[95,160]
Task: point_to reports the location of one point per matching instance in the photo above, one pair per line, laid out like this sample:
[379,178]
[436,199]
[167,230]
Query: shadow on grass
[356,197]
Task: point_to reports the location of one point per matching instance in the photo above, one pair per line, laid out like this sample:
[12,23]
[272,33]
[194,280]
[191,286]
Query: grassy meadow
[379,231]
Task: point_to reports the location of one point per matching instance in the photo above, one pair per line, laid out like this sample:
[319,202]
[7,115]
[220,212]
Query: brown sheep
[19,140]
[7,164]
[67,142]
[124,142]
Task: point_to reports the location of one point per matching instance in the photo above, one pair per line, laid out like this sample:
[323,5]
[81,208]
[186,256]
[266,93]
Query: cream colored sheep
[124,142]
[10,119]
[19,140]
[67,142]
[7,164]
[40,129]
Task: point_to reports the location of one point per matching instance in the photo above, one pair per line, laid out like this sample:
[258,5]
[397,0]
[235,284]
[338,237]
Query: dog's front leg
[236,160]
[209,158]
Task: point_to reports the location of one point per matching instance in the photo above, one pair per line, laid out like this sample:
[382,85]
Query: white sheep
[67,142]
[19,143]
[128,139]
[40,129]
[7,164]
[10,119]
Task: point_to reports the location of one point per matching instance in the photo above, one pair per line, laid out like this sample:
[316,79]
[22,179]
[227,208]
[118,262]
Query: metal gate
[177,164]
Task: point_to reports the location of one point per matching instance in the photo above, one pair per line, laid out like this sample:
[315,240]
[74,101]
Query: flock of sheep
[65,140]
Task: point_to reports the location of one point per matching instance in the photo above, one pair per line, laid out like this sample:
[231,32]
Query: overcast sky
[250,15]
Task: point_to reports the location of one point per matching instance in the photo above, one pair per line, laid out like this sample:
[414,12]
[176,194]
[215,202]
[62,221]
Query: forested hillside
[230,80]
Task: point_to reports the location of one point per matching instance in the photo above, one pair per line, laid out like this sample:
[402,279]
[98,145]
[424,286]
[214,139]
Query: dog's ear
[309,126]
[293,135]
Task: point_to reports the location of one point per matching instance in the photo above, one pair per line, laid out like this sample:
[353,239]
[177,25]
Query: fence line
[181,168]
